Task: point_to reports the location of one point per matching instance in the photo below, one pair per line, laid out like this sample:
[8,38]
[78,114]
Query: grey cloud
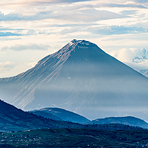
[6,34]
[31,32]
[129,12]
[90,15]
[71,30]
[59,1]
[26,3]
[27,47]
[106,30]
[141,1]
[43,2]
[9,29]
[125,5]
[72,1]
[77,15]
[17,17]
[67,1]
[8,66]
[110,30]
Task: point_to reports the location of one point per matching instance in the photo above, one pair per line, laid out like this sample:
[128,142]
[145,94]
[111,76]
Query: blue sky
[32,29]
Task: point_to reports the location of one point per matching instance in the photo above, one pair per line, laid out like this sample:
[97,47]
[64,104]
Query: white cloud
[135,58]
[17,4]
[6,66]
[124,54]
[27,47]
[32,64]
[29,27]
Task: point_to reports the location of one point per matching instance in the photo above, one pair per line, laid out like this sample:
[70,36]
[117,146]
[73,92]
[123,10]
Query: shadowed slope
[13,119]
[82,78]
[60,114]
[129,120]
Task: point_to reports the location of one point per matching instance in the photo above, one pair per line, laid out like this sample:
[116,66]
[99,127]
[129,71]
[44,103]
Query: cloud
[25,3]
[89,15]
[6,29]
[54,1]
[134,57]
[17,4]
[110,30]
[6,66]
[124,54]
[110,24]
[75,15]
[32,64]
[6,34]
[80,12]
[19,17]
[118,5]
[129,12]
[26,47]
[141,1]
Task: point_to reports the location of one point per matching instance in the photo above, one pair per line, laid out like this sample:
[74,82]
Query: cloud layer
[26,47]
[134,57]
[30,27]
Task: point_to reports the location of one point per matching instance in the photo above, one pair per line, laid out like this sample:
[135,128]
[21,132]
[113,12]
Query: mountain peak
[80,77]
[82,42]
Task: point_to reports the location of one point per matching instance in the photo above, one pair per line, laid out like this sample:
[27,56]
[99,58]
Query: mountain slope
[144,72]
[60,114]
[13,119]
[128,120]
[45,114]
[83,78]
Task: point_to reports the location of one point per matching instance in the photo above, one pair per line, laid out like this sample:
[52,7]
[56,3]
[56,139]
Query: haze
[32,29]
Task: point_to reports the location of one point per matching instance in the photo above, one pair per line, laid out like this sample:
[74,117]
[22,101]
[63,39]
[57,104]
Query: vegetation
[75,138]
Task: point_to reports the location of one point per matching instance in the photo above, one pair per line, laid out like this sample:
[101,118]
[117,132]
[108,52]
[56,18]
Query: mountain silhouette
[82,78]
[60,114]
[13,119]
[128,120]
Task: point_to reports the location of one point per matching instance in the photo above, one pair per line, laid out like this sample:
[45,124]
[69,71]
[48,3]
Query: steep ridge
[22,86]
[82,78]
[61,114]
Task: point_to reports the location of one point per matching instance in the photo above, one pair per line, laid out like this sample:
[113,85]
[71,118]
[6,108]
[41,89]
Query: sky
[33,29]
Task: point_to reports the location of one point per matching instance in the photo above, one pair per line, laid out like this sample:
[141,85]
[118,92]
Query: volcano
[81,78]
